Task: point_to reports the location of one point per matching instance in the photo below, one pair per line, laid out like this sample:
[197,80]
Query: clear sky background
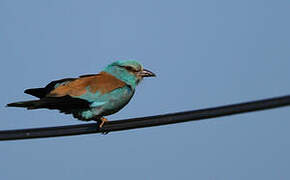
[205,52]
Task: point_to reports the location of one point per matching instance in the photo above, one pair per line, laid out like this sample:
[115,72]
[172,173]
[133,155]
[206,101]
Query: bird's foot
[103,120]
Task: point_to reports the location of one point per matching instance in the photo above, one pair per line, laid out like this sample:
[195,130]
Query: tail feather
[25,104]
[64,104]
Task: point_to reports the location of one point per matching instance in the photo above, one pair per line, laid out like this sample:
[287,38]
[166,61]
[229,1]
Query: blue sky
[205,52]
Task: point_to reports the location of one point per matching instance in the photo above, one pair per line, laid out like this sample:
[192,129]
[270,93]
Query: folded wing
[73,95]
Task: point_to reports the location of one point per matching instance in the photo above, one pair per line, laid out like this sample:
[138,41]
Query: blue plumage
[90,97]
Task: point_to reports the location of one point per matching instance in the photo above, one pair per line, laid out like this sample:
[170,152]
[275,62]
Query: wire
[143,122]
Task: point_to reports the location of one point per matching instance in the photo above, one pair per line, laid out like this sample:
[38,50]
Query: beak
[147,73]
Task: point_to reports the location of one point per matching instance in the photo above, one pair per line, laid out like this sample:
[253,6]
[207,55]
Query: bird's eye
[130,68]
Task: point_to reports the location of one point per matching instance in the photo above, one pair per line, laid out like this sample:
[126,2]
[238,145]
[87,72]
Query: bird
[90,97]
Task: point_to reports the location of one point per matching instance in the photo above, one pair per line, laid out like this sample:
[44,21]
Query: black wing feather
[42,92]
[88,75]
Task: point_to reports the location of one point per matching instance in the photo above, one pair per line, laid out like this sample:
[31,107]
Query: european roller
[90,97]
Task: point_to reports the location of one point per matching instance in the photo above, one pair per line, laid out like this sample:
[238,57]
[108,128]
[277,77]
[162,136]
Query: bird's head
[129,71]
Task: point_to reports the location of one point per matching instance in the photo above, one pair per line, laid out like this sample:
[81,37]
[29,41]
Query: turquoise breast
[106,104]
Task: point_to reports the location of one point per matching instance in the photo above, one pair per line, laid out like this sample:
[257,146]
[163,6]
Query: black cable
[146,121]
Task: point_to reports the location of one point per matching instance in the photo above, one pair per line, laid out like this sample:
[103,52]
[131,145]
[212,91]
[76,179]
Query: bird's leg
[103,120]
[100,121]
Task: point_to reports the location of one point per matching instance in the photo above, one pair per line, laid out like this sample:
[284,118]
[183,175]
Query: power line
[150,121]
